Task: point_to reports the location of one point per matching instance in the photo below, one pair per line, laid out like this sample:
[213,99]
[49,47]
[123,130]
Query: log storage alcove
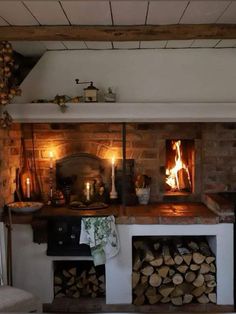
[78,279]
[179,270]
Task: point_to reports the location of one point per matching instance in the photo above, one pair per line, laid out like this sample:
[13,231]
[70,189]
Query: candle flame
[51,154]
[27,180]
[87,185]
[113,160]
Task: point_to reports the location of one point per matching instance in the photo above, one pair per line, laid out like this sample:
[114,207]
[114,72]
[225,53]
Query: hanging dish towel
[101,235]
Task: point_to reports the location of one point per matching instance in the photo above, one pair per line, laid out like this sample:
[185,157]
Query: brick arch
[67,149]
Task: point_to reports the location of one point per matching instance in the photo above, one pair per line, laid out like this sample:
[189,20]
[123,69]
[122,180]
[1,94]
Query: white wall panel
[164,75]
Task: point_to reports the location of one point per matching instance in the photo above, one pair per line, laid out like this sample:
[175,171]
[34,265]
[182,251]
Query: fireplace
[211,165]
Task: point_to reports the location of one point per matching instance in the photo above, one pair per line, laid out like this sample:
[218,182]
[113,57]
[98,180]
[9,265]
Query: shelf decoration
[90,92]
[60,100]
[8,87]
[110,96]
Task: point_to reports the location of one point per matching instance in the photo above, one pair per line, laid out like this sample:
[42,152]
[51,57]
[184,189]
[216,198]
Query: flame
[172,174]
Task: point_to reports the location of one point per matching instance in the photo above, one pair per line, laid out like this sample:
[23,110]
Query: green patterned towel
[101,235]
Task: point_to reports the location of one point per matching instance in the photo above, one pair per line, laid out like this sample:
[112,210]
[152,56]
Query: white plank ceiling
[116,12]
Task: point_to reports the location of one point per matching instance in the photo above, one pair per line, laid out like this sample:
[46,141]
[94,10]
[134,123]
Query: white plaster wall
[33,270]
[178,75]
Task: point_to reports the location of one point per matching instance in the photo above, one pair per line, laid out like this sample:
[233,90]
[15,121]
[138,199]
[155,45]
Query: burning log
[183,179]
[178,176]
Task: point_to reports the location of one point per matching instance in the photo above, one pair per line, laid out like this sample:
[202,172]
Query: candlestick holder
[50,183]
[113,193]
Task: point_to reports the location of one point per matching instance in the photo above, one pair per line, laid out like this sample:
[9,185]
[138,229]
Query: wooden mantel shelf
[159,213]
[124,112]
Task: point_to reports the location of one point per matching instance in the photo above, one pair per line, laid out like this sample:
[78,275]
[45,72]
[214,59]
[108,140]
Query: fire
[178,177]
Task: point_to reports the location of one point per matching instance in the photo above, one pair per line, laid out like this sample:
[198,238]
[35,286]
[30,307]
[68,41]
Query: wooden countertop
[158,213]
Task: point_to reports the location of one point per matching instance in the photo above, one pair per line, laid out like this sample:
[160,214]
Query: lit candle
[51,192]
[113,166]
[28,187]
[87,191]
[113,193]
[51,159]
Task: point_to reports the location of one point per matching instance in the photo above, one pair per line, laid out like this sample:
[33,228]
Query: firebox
[180,170]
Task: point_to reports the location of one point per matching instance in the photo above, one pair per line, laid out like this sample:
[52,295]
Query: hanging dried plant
[8,88]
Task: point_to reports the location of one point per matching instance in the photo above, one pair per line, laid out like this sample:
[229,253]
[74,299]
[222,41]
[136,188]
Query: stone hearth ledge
[160,213]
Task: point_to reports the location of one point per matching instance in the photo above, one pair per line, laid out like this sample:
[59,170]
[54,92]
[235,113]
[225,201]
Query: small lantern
[91,93]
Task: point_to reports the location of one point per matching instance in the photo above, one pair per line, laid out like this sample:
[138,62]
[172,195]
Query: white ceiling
[116,12]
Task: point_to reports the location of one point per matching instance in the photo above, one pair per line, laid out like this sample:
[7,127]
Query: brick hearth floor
[67,305]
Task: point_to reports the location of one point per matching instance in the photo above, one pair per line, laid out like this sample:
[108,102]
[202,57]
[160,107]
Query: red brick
[15,151]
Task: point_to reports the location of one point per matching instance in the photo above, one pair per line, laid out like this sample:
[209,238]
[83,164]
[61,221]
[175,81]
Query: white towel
[101,235]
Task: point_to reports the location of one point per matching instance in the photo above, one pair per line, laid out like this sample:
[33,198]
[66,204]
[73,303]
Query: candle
[87,191]
[113,193]
[28,187]
[113,166]
[51,159]
[51,192]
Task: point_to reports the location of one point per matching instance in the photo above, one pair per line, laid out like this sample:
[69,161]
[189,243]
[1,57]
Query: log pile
[71,282]
[176,270]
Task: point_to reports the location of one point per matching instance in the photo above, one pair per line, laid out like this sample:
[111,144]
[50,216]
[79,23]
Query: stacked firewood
[72,283]
[173,270]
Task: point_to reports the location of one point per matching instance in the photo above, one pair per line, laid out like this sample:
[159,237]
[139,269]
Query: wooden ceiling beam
[119,33]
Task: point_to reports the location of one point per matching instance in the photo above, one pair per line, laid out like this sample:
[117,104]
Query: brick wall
[219,156]
[102,140]
[9,161]
[215,145]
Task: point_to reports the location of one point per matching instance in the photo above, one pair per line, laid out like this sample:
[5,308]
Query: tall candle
[113,193]
[113,166]
[28,187]
[87,191]
[51,159]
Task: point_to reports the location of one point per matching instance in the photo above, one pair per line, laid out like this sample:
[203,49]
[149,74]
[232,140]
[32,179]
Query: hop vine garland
[8,86]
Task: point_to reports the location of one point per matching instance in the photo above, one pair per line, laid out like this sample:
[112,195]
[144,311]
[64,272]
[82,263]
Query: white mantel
[124,112]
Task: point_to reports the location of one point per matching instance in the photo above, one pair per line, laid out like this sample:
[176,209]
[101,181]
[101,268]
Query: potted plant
[142,188]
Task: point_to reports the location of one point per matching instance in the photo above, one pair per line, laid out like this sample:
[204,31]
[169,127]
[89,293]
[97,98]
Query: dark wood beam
[119,33]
